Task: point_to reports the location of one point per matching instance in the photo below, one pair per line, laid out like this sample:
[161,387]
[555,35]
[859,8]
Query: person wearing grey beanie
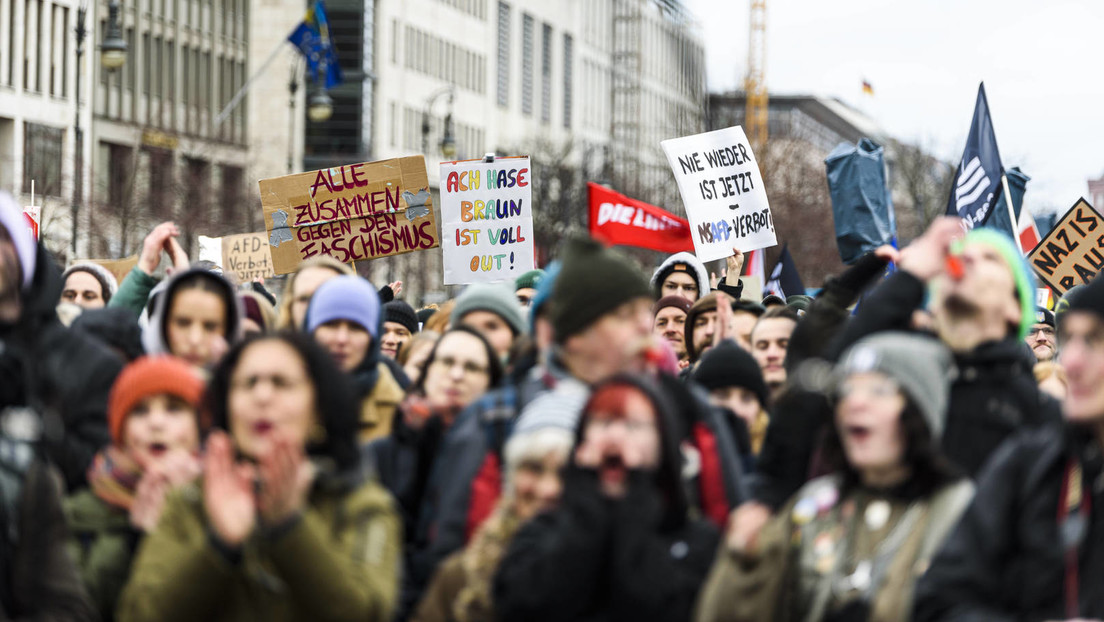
[493,310]
[889,503]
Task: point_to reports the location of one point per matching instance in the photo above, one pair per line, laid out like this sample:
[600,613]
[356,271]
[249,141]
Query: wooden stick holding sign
[352,213]
[1073,252]
[722,190]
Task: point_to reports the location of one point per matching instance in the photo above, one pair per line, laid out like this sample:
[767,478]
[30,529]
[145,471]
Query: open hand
[286,476]
[155,242]
[228,495]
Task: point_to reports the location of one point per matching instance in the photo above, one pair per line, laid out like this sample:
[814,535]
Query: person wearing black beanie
[600,310]
[735,383]
[399,325]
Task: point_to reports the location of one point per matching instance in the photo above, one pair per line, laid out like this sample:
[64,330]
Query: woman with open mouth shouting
[155,429]
[621,544]
[851,545]
[283,525]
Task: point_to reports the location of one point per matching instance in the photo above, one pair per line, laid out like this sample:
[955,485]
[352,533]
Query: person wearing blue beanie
[345,317]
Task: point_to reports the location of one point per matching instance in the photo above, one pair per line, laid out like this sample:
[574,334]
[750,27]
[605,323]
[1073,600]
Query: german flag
[867,88]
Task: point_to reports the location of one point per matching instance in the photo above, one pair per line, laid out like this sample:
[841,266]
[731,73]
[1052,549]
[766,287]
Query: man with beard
[1042,337]
[670,322]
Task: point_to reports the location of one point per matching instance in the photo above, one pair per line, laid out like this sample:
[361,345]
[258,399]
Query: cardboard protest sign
[487,214]
[119,268]
[618,219]
[722,190]
[1073,252]
[246,256]
[352,212]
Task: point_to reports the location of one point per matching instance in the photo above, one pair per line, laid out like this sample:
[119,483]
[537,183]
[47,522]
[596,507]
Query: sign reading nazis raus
[1073,252]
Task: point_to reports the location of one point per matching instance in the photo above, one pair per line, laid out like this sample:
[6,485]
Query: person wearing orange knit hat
[155,424]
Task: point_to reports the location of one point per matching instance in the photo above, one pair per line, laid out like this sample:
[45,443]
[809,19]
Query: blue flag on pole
[312,37]
[977,180]
[1017,186]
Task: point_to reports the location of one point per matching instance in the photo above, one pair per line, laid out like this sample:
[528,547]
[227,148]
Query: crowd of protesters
[917,441]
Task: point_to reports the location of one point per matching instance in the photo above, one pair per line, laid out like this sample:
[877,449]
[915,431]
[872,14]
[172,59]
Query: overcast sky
[1040,62]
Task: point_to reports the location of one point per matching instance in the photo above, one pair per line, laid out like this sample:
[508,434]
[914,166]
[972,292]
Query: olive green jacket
[102,543]
[339,561]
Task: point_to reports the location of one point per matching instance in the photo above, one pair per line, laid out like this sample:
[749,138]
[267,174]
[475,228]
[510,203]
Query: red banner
[617,219]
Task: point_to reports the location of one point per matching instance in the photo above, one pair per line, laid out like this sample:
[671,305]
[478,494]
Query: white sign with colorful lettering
[722,191]
[487,220]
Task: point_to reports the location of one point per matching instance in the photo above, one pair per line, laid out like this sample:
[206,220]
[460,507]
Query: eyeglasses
[279,383]
[470,368]
[1045,330]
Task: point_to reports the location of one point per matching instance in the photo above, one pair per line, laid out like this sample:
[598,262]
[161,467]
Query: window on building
[546,73]
[42,147]
[503,54]
[131,66]
[160,180]
[147,63]
[197,183]
[231,195]
[568,67]
[527,64]
[119,165]
[158,67]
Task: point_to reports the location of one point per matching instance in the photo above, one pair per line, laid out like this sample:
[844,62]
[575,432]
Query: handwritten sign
[352,213]
[1073,252]
[246,256]
[487,214]
[722,190]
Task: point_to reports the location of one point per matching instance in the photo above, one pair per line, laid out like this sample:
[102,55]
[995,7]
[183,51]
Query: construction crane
[755,84]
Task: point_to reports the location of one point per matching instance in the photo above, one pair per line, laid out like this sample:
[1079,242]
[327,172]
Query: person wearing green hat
[982,300]
[525,287]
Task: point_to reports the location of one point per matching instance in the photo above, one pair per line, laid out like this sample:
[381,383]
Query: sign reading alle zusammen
[722,191]
[1073,252]
[351,213]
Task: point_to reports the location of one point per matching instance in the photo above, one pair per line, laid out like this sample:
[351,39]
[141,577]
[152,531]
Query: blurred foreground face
[769,342]
[493,328]
[347,342]
[196,326]
[82,289]
[616,342]
[670,324]
[680,284]
[158,426]
[537,484]
[307,281]
[868,419]
[1083,359]
[622,434]
[460,372]
[986,291]
[270,391]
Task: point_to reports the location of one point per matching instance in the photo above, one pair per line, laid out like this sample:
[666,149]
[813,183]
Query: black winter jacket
[1005,560]
[994,395]
[594,558]
[64,375]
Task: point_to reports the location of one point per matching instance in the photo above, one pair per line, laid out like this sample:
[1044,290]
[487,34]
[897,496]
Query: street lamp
[113,50]
[320,106]
[447,144]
